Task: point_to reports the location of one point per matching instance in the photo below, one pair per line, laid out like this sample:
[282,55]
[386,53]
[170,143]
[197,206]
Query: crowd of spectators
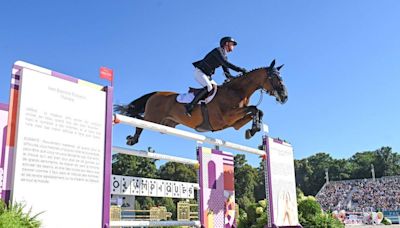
[334,194]
[361,195]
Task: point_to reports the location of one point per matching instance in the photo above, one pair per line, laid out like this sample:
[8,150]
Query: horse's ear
[272,64]
[279,67]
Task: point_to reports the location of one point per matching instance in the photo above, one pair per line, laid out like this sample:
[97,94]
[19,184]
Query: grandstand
[361,195]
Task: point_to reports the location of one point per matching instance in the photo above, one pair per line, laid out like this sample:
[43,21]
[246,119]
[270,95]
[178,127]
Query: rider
[205,68]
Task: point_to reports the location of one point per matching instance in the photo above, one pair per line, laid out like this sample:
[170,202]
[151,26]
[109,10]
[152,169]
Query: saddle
[192,92]
[195,91]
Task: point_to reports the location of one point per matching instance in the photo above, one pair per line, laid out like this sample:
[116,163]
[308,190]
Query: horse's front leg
[256,126]
[250,113]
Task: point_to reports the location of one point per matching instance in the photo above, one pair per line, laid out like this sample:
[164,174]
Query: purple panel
[212,178]
[64,76]
[107,157]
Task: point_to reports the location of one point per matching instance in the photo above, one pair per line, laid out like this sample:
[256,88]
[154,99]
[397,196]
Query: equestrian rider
[205,68]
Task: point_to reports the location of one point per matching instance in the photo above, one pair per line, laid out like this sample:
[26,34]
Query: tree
[303,172]
[361,164]
[178,172]
[245,181]
[128,165]
[388,163]
[340,169]
[259,191]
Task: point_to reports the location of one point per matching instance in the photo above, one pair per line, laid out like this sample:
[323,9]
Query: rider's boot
[189,107]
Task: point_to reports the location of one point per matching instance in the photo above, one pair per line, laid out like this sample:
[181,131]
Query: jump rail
[146,154]
[184,134]
[153,223]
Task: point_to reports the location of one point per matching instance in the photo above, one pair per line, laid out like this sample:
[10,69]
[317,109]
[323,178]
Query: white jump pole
[184,134]
[142,153]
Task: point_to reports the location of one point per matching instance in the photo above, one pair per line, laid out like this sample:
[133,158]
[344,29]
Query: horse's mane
[237,78]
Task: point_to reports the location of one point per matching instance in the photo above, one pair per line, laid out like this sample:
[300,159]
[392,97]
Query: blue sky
[341,60]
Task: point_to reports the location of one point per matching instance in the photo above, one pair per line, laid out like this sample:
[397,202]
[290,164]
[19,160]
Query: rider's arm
[227,73]
[226,64]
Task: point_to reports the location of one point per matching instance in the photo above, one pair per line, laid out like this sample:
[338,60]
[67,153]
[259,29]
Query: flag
[106,73]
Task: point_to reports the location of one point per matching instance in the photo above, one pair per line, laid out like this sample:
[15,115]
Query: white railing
[146,154]
[184,134]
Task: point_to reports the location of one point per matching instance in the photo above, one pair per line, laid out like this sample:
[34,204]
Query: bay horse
[229,108]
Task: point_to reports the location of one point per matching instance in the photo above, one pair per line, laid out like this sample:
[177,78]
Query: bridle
[270,77]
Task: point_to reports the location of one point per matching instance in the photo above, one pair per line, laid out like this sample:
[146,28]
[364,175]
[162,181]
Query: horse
[229,107]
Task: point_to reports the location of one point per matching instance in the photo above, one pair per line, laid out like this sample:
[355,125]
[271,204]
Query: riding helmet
[227,39]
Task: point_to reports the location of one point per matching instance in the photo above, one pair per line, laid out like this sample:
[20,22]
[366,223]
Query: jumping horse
[229,108]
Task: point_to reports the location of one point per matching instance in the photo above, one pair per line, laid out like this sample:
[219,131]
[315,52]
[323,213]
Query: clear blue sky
[341,60]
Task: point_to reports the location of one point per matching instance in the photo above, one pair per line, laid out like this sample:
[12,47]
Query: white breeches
[203,79]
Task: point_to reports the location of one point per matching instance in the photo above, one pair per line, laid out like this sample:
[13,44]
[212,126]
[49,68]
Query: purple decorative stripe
[17,76]
[64,76]
[201,184]
[18,67]
[221,153]
[278,141]
[297,226]
[5,195]
[16,87]
[3,150]
[107,157]
[228,164]
[268,168]
[4,106]
[228,159]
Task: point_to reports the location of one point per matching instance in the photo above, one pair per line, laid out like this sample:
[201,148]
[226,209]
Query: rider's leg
[203,80]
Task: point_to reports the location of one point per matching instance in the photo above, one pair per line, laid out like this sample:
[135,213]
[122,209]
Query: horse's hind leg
[132,140]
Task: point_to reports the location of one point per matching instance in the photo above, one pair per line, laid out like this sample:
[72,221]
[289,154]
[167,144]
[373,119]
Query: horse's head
[274,83]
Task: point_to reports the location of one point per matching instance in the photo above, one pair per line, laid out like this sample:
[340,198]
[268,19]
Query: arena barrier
[58,143]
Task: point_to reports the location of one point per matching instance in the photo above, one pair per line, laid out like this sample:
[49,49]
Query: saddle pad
[186,98]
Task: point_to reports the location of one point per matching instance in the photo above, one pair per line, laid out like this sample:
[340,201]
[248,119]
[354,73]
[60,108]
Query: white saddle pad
[186,98]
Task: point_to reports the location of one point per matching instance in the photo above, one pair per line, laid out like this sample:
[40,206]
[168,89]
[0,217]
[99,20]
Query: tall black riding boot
[189,107]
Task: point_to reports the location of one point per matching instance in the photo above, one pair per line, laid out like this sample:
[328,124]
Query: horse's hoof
[248,134]
[131,142]
[129,137]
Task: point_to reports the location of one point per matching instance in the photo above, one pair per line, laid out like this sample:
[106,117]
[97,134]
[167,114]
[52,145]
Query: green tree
[303,172]
[178,172]
[259,191]
[245,181]
[388,163]
[361,164]
[129,165]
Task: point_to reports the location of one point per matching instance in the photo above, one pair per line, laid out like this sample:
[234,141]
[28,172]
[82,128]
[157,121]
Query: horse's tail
[135,108]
